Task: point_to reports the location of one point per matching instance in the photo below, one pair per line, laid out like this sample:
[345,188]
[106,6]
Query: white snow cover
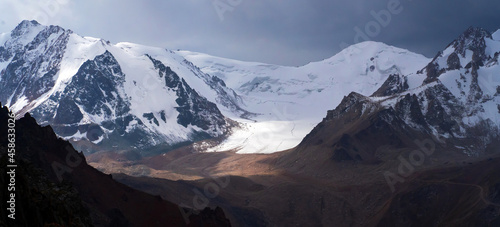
[496,35]
[29,34]
[79,50]
[23,101]
[290,101]
[488,80]
[145,90]
[3,37]
[143,87]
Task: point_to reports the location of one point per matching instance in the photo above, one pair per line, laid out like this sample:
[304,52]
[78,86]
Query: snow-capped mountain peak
[121,96]
[472,39]
[460,95]
[474,48]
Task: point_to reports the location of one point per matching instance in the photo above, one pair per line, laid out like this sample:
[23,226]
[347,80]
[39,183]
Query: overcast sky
[286,32]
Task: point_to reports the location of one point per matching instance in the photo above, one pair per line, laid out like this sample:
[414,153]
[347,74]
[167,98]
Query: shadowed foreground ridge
[56,187]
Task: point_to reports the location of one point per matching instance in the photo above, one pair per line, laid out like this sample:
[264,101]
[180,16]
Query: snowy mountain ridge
[455,97]
[122,96]
[290,101]
[126,95]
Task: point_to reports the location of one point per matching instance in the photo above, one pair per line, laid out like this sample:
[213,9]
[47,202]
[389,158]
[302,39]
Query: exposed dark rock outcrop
[394,84]
[473,40]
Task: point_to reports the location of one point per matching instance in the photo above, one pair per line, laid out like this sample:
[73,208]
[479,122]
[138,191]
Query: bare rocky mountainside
[56,187]
[373,136]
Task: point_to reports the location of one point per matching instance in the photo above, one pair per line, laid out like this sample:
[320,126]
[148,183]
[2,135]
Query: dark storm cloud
[289,32]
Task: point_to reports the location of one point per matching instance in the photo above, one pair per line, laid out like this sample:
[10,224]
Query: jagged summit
[24,27]
[472,39]
[469,50]
[355,101]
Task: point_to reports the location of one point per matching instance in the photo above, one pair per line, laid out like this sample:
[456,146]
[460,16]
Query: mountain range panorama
[354,130]
[105,96]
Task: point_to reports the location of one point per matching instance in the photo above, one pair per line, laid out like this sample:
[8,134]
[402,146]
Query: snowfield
[290,101]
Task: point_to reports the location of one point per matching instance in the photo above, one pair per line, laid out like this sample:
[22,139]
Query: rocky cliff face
[458,98]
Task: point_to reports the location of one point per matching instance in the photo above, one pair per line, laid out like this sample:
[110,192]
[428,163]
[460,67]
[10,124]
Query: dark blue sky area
[283,32]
